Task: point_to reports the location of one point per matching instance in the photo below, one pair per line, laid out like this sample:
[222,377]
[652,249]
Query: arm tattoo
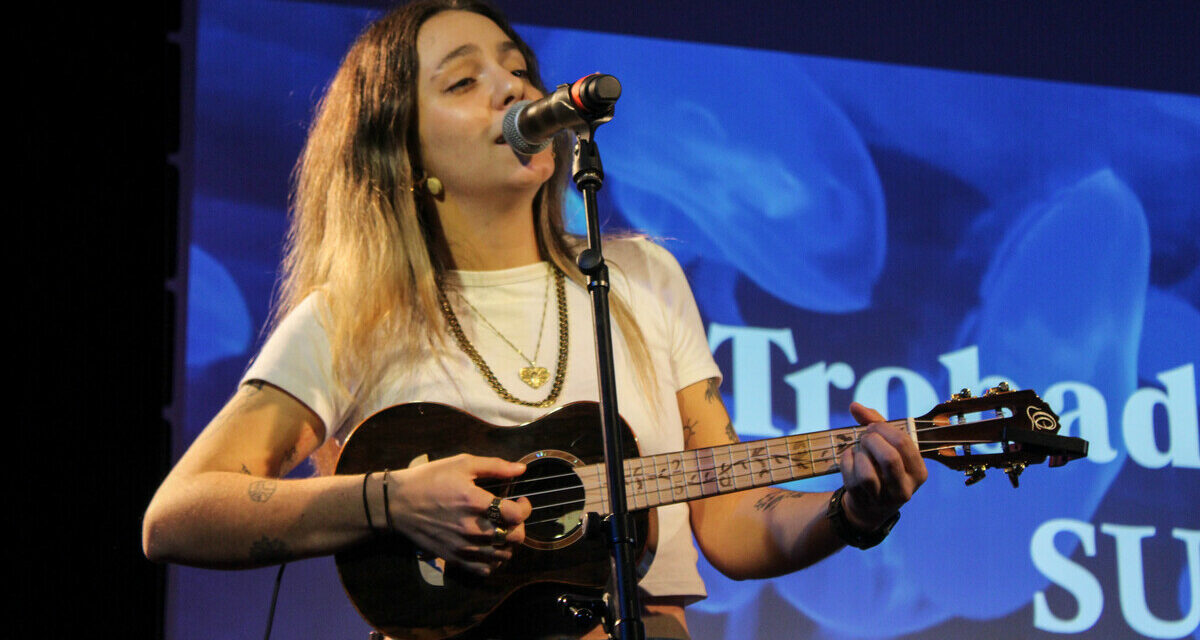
[245,470]
[774,497]
[712,392]
[269,550]
[261,490]
[730,433]
[286,461]
[689,430]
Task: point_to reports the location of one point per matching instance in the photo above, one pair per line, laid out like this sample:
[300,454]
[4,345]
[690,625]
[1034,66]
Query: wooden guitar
[406,594]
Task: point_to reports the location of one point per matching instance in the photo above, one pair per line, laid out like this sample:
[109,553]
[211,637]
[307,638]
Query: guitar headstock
[1019,421]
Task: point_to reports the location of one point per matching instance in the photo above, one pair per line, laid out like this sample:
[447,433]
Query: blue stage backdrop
[852,231]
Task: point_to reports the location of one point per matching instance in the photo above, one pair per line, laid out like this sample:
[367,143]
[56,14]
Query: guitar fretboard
[680,476]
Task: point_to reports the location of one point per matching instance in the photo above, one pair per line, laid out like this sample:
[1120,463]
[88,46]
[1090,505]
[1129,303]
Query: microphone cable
[274,599]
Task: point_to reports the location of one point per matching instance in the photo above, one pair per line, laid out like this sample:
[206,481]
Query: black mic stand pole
[589,176]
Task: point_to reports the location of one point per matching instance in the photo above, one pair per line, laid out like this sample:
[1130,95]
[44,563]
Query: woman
[422,253]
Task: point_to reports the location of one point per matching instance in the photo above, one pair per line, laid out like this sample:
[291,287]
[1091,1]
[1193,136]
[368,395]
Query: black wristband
[846,531]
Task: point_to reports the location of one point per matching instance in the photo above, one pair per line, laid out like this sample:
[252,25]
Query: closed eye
[460,85]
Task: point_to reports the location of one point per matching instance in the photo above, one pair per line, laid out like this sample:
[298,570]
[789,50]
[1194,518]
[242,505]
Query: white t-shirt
[296,358]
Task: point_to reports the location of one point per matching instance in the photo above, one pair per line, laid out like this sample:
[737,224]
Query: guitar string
[688,470]
[494,485]
[768,442]
[692,467]
[673,487]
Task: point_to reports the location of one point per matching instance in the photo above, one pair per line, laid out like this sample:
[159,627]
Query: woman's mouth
[522,158]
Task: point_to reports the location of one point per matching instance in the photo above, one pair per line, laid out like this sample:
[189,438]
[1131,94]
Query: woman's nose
[509,89]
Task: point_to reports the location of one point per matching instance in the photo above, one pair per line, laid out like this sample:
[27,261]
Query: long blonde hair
[361,237]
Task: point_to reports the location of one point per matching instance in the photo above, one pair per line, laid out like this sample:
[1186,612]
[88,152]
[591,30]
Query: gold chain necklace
[533,375]
[560,369]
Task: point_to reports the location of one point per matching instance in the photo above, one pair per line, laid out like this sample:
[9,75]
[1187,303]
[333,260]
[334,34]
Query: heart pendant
[534,376]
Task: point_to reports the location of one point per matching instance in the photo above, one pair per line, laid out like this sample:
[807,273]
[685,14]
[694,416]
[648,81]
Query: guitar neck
[668,478]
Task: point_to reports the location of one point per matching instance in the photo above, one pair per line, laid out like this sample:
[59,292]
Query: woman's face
[470,73]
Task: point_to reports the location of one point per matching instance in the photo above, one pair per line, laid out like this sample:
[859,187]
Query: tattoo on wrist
[269,550]
[712,392]
[261,490]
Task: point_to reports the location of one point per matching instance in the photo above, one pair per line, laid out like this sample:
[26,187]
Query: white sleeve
[691,359]
[297,359]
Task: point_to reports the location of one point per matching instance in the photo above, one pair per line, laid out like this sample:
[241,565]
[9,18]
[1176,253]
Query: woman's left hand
[881,472]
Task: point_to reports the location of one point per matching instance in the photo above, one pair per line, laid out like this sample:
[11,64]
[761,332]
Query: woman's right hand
[441,509]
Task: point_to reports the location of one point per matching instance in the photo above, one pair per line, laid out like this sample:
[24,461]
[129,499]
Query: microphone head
[512,133]
[596,93]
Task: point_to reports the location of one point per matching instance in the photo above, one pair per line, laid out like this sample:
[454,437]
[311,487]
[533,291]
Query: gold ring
[499,536]
[493,512]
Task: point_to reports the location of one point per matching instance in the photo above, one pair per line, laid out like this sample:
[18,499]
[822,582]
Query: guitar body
[405,594]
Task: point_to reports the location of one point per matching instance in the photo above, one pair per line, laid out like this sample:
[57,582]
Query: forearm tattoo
[261,490]
[774,497]
[730,433]
[689,430]
[269,550]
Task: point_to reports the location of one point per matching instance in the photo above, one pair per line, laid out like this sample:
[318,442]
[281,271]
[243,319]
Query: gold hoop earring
[430,185]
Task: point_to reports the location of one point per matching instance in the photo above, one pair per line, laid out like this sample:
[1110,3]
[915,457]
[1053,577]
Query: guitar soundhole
[557,496]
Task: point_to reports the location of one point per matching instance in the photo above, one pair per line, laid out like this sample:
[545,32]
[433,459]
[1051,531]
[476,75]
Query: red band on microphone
[578,102]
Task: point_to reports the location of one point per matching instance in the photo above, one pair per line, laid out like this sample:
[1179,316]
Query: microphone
[529,126]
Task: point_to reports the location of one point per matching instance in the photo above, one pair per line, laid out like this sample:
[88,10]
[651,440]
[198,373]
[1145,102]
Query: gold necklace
[560,369]
[533,375]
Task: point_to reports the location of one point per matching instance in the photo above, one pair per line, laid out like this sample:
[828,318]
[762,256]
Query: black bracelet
[366,506]
[387,504]
[846,531]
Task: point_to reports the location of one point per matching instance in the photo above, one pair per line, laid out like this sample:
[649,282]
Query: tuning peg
[962,395]
[1000,388]
[975,474]
[1014,472]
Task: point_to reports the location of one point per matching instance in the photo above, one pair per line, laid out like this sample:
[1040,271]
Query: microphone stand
[588,175]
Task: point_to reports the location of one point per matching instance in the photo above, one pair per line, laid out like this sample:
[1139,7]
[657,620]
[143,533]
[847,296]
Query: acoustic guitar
[405,593]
